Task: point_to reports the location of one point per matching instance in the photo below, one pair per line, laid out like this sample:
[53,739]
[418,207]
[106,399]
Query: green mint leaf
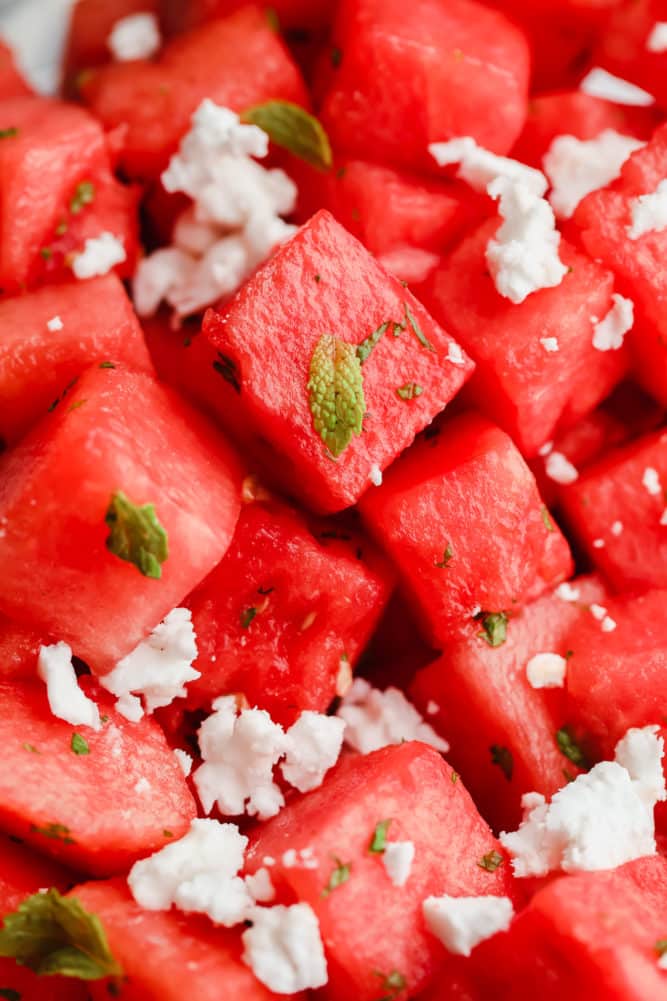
[336,393]
[61,228]
[494,625]
[447,557]
[491,861]
[568,746]
[379,839]
[228,369]
[454,777]
[293,128]
[365,348]
[46,253]
[416,329]
[339,875]
[53,934]
[9,133]
[548,523]
[502,756]
[84,194]
[247,616]
[107,364]
[136,535]
[79,744]
[661,946]
[409,391]
[392,984]
[56,831]
[167,833]
[31,748]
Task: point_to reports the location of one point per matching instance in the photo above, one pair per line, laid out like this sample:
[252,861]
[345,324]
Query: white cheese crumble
[284,948]
[649,212]
[375,475]
[576,167]
[397,858]
[567,592]
[608,333]
[617,528]
[184,760]
[651,481]
[299,858]
[375,719]
[198,874]
[461,923]
[455,354]
[598,543]
[260,887]
[478,167]
[432,708]
[99,255]
[312,747]
[234,223]
[136,36]
[523,255]
[657,39]
[546,449]
[550,344]
[55,323]
[546,670]
[600,83]
[601,820]
[559,468]
[159,668]
[66,700]
[608,624]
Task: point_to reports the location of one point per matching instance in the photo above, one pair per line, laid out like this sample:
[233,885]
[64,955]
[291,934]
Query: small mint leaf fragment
[416,328]
[494,625]
[379,839]
[339,875]
[568,746]
[447,558]
[293,128]
[136,536]
[79,744]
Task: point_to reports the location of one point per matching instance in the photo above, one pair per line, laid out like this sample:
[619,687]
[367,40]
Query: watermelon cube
[461,517]
[286,613]
[624,46]
[369,926]
[408,76]
[89,29]
[332,362]
[115,433]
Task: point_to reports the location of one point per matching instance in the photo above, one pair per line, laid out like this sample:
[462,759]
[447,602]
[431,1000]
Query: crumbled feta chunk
[397,859]
[374,719]
[523,255]
[600,83]
[375,475]
[284,948]
[455,354]
[55,323]
[649,212]
[461,923]
[238,754]
[184,760]
[312,747]
[99,255]
[198,874]
[546,670]
[299,858]
[159,668]
[550,344]
[609,332]
[598,612]
[576,167]
[136,36]
[598,543]
[432,708]
[601,820]
[559,468]
[617,528]
[567,592]
[130,707]
[651,481]
[66,700]
[478,167]
[608,624]
[260,887]
[546,449]
[657,39]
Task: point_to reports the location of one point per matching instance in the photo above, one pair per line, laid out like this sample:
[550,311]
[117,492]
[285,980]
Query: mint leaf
[548,523]
[392,984]
[79,744]
[295,129]
[336,393]
[56,831]
[53,934]
[502,756]
[409,391]
[494,625]
[416,329]
[9,133]
[364,349]
[447,557]
[136,535]
[84,194]
[379,839]
[491,861]
[247,616]
[340,875]
[568,746]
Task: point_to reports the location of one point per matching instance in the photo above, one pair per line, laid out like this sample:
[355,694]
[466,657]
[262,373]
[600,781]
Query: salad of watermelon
[333,500]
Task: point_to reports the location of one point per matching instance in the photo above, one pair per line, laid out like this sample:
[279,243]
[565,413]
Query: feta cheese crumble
[455,354]
[312,747]
[54,324]
[198,874]
[375,719]
[559,468]
[397,858]
[617,528]
[576,167]
[375,475]
[284,948]
[657,41]
[99,255]
[136,36]
[608,333]
[601,820]
[600,83]
[159,668]
[66,700]
[260,887]
[184,760]
[567,592]
[546,670]
[461,923]
[523,255]
[234,223]
[651,481]
[478,167]
[550,344]
[649,212]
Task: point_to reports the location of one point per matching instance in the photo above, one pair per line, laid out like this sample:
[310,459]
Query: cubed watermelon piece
[370,927]
[114,431]
[89,29]
[591,935]
[461,517]
[90,321]
[623,46]
[165,955]
[502,731]
[617,510]
[84,808]
[603,219]
[12,83]
[530,391]
[236,61]
[286,613]
[411,75]
[323,288]
[56,190]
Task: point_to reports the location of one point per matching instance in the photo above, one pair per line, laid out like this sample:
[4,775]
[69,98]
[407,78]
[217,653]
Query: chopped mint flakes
[502,756]
[136,535]
[410,391]
[416,329]
[339,875]
[379,839]
[392,984]
[447,558]
[84,194]
[494,625]
[366,347]
[491,861]
[79,744]
[568,746]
